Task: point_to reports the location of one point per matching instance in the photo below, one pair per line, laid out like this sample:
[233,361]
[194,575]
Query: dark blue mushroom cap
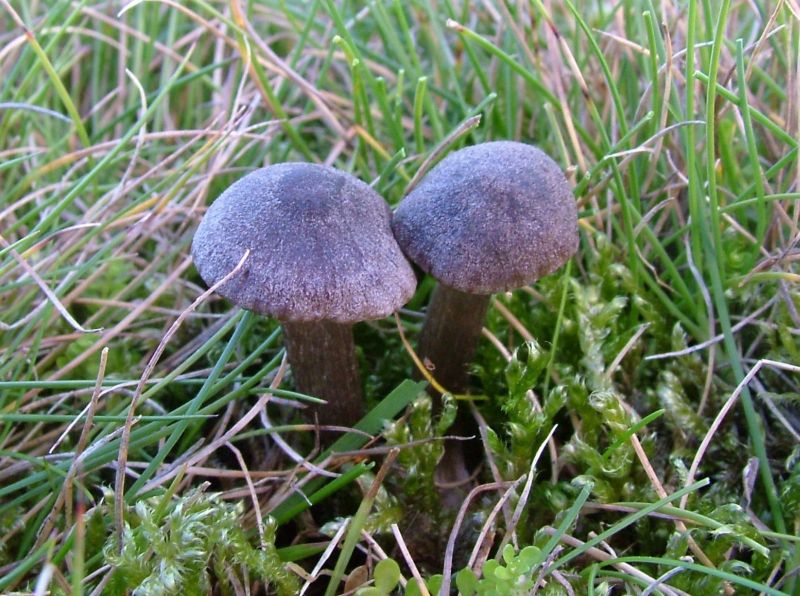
[321,246]
[490,218]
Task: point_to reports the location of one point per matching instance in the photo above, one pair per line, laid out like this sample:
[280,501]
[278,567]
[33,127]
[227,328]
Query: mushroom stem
[449,339]
[450,334]
[323,360]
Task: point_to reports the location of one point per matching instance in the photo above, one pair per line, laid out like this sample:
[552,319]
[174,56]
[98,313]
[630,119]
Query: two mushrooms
[326,252]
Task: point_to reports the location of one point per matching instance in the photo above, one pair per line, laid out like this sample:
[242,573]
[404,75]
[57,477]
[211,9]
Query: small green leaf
[386,574]
[466,582]
[448,414]
[528,555]
[434,583]
[525,368]
[508,554]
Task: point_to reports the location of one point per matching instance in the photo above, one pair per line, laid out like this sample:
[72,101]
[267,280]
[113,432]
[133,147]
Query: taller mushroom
[489,218]
[322,257]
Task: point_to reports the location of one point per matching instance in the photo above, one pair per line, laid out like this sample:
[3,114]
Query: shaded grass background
[677,122]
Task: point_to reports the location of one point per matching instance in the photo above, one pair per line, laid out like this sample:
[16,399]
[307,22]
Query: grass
[655,376]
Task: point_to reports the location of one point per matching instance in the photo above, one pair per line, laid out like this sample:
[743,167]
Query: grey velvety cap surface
[490,218]
[321,246]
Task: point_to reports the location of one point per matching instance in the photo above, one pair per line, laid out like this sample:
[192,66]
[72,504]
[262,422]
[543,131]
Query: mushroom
[489,218]
[322,257]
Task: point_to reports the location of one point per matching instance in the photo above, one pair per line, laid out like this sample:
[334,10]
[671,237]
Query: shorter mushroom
[489,218]
[322,257]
